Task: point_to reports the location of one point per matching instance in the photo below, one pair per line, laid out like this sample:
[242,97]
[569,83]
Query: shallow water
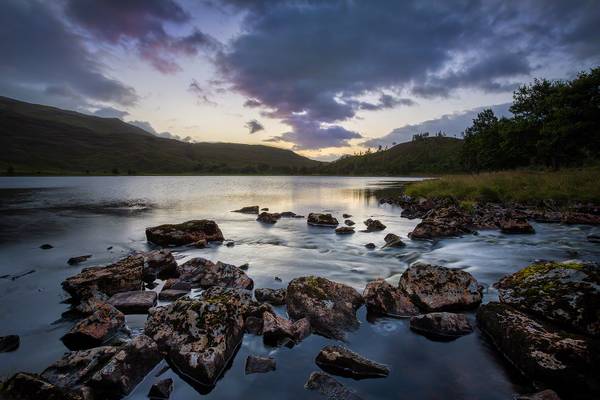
[89,215]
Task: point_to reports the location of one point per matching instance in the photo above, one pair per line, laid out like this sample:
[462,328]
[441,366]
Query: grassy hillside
[434,155]
[40,139]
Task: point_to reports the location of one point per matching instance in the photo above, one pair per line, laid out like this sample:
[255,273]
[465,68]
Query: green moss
[542,268]
[313,287]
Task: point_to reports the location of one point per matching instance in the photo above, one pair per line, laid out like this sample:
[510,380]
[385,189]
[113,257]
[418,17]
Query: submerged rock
[392,240]
[200,272]
[441,325]
[385,299]
[566,293]
[46,246]
[342,361]
[199,336]
[249,210]
[99,328]
[161,390]
[78,259]
[268,218]
[329,306]
[344,230]
[435,288]
[516,226]
[329,387]
[135,302]
[275,297]
[565,362]
[346,215]
[189,232]
[374,225]
[370,246]
[259,365]
[318,219]
[9,343]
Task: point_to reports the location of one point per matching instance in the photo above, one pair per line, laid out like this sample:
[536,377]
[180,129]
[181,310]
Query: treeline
[554,124]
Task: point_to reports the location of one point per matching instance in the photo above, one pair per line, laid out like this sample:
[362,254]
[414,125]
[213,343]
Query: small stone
[264,209]
[441,325]
[161,390]
[46,246]
[346,216]
[9,343]
[318,219]
[339,360]
[349,222]
[244,267]
[249,210]
[171,294]
[259,365]
[78,259]
[278,279]
[230,244]
[275,297]
[268,218]
[329,387]
[135,302]
[392,240]
[344,230]
[370,246]
[374,225]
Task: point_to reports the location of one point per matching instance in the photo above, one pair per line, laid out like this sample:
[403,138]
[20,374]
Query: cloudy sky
[321,77]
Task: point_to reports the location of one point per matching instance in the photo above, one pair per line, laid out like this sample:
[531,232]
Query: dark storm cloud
[254,126]
[317,57]
[42,61]
[141,23]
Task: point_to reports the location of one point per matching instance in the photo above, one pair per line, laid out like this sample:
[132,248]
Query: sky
[323,78]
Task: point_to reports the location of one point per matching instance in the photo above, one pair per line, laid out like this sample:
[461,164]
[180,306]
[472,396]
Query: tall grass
[522,186]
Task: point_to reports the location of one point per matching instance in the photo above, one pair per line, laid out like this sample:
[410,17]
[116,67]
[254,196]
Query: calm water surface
[89,215]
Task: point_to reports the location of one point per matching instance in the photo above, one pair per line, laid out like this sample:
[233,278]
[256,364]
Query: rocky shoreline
[546,323]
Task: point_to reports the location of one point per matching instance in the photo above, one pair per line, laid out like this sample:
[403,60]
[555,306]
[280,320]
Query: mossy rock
[566,293]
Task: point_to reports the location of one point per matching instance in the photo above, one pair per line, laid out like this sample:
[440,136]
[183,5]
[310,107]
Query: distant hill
[40,139]
[431,155]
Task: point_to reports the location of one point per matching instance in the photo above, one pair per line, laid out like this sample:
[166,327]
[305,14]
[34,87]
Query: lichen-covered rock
[203,273]
[134,302]
[268,218]
[9,343]
[275,297]
[565,362]
[435,288]
[516,226]
[159,264]
[442,222]
[189,232]
[385,299]
[374,225]
[259,365]
[329,387]
[125,369]
[441,325]
[26,386]
[339,360]
[329,306]
[248,210]
[277,330]
[199,336]
[566,293]
[99,328]
[392,240]
[344,230]
[317,219]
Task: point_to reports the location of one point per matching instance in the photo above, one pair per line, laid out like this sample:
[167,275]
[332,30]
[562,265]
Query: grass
[563,186]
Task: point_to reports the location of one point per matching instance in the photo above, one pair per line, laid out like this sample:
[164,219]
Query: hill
[431,155]
[48,140]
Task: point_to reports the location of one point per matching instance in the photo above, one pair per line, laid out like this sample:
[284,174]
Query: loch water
[106,217]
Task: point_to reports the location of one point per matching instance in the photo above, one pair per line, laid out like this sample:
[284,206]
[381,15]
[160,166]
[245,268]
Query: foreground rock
[190,232]
[385,299]
[516,226]
[329,387]
[329,306]
[268,218]
[374,225]
[9,343]
[342,361]
[344,230]
[441,325]
[200,272]
[435,288]
[135,302]
[317,219]
[104,325]
[392,240]
[161,389]
[199,336]
[248,210]
[443,222]
[565,362]
[277,330]
[275,297]
[259,365]
[566,293]
[26,386]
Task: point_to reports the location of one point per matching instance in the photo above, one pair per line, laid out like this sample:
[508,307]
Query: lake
[106,217]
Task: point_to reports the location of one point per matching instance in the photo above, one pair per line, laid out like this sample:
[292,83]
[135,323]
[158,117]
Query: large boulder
[385,299]
[122,373]
[102,326]
[329,306]
[435,288]
[317,219]
[568,363]
[329,387]
[190,232]
[135,302]
[442,222]
[199,336]
[200,272]
[441,325]
[566,293]
[339,360]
